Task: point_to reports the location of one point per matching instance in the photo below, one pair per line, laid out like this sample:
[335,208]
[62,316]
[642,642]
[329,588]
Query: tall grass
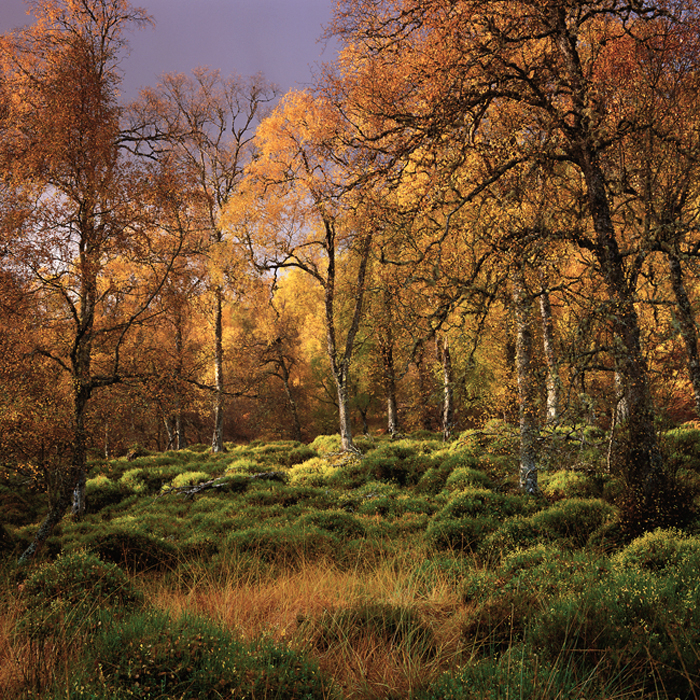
[291,605]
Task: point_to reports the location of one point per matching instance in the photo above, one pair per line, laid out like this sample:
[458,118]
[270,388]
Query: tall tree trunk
[447,391]
[79,464]
[217,440]
[425,382]
[686,322]
[643,460]
[527,384]
[340,363]
[71,484]
[386,349]
[343,390]
[174,429]
[621,409]
[553,378]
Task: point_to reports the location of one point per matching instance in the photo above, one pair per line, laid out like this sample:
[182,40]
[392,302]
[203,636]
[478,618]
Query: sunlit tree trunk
[527,385]
[392,411]
[340,361]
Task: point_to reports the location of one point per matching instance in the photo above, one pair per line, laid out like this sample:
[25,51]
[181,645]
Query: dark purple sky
[280,38]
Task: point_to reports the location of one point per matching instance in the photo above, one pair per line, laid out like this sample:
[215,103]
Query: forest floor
[414,570]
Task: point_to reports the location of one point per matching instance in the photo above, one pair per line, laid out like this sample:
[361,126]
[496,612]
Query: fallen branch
[191,490]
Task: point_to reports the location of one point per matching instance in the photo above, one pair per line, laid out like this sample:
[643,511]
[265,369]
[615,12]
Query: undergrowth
[414,570]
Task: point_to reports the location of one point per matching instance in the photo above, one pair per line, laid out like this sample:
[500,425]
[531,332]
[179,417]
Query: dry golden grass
[28,665]
[275,606]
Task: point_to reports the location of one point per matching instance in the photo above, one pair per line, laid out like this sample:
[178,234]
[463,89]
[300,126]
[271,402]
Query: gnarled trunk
[643,459]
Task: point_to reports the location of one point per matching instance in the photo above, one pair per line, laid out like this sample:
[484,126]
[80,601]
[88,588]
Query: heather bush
[151,656]
[71,592]
[133,549]
[629,619]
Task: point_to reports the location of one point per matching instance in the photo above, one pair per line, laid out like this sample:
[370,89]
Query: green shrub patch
[396,625]
[156,657]
[71,591]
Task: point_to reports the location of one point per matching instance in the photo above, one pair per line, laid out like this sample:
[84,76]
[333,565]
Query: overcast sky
[280,38]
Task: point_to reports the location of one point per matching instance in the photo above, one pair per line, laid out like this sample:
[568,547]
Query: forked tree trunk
[527,384]
[687,325]
[340,362]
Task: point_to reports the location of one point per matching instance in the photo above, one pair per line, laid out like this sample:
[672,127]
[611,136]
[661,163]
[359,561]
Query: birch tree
[90,244]
[204,127]
[299,212]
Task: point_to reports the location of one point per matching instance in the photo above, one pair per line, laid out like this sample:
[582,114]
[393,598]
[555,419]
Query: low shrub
[312,472]
[394,506]
[150,479]
[514,533]
[189,479]
[500,621]
[243,465]
[475,502]
[386,467]
[350,472]
[574,520]
[285,543]
[660,550]
[467,477]
[299,454]
[433,479]
[549,571]
[682,445]
[518,673]
[101,492]
[326,444]
[393,625]
[151,656]
[71,591]
[565,483]
[133,549]
[338,522]
[628,620]
[459,534]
